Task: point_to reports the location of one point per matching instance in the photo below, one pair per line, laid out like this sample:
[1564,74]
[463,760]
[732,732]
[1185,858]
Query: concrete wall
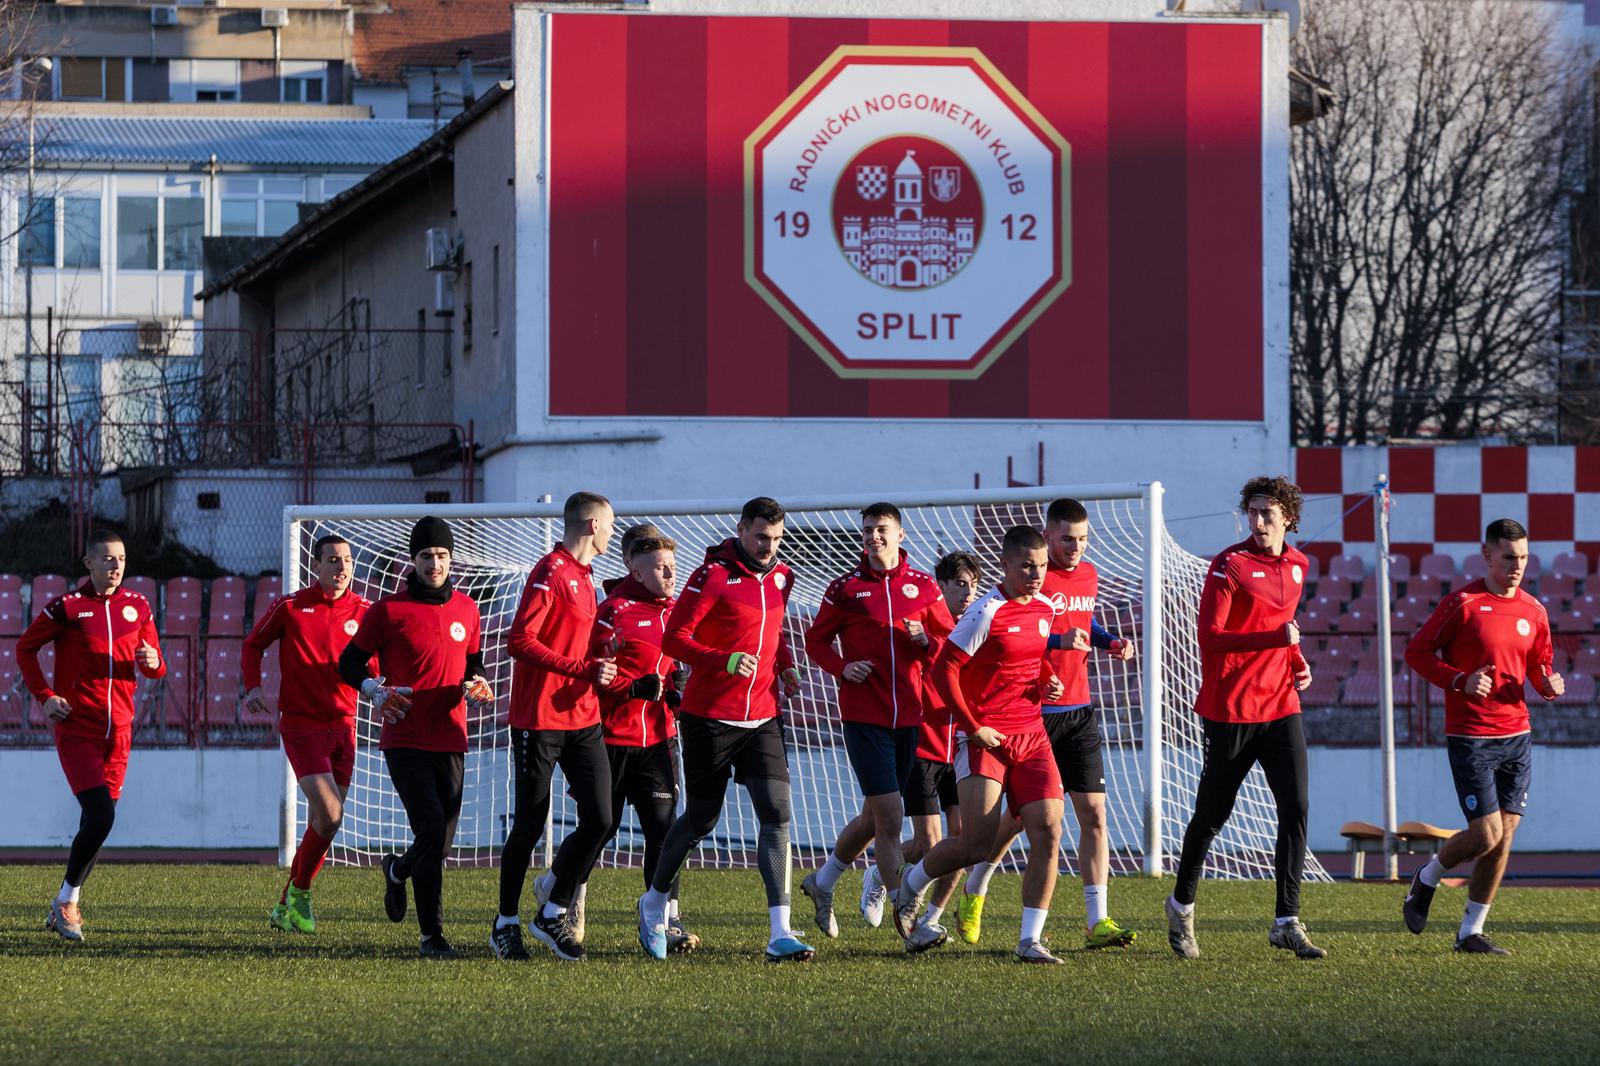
[486,374]
[1202,464]
[229,798]
[94,30]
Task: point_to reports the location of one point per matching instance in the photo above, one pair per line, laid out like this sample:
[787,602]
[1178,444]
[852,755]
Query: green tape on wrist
[733,662]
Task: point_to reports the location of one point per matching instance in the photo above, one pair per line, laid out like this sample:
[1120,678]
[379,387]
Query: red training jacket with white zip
[95,638]
[552,684]
[866,610]
[311,629]
[636,620]
[727,607]
[1247,667]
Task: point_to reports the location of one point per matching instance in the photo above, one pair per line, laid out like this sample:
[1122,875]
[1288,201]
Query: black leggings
[94,825]
[655,819]
[429,785]
[769,796]
[535,753]
[1230,750]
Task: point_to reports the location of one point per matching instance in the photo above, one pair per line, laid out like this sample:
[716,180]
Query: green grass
[180,965]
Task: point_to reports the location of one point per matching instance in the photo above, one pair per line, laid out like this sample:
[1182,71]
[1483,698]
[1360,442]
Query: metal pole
[288,835]
[1154,679]
[1380,528]
[550,808]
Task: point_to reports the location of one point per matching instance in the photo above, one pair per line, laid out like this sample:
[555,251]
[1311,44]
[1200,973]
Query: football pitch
[180,965]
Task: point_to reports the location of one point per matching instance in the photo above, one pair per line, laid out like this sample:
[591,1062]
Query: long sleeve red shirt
[727,607]
[1247,666]
[96,672]
[1473,628]
[551,675]
[637,621]
[311,629]
[866,610]
[993,668]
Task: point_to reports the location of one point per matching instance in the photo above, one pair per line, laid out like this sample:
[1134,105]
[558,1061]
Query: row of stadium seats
[1443,568]
[184,605]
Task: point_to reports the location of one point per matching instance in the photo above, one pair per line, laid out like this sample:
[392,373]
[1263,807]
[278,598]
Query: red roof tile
[397,34]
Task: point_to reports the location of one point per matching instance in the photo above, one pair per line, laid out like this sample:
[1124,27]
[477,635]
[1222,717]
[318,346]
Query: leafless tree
[22,71]
[1430,219]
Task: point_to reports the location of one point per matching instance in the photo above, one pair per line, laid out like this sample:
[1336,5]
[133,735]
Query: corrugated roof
[235,141]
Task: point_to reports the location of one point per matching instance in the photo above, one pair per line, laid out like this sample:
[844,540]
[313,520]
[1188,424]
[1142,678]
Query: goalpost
[1152,737]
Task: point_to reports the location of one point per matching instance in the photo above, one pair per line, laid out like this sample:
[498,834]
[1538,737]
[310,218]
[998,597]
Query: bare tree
[1430,219]
[22,72]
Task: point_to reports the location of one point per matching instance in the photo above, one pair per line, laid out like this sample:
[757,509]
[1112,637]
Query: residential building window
[239,218]
[260,207]
[205,80]
[80,233]
[93,78]
[185,225]
[304,81]
[138,230]
[38,225]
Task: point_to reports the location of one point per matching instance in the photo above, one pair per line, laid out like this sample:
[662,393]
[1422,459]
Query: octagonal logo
[907,212]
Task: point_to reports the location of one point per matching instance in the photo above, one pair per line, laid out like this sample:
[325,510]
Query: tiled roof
[399,34]
[235,141]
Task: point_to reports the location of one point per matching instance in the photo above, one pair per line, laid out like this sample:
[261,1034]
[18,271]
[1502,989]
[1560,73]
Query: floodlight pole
[1380,529]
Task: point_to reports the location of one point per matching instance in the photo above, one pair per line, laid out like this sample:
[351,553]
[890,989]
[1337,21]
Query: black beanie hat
[431,532]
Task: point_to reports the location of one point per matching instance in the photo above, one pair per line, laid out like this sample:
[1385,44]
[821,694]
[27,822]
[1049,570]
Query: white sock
[68,893]
[916,879]
[778,921]
[1285,919]
[978,878]
[672,909]
[932,915]
[1094,904]
[1472,921]
[583,890]
[655,907]
[502,920]
[1181,908]
[552,910]
[830,873]
[1432,872]
[1033,923]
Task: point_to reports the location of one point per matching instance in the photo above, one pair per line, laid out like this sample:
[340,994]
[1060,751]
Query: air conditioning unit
[444,295]
[440,253]
[274,18]
[164,15]
[151,338]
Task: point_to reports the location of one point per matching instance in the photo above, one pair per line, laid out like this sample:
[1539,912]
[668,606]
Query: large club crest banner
[767,217]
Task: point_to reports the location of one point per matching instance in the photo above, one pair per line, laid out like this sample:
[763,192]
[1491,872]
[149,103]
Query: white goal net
[1152,762]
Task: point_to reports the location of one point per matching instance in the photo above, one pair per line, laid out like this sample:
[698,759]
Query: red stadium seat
[1313,569]
[1399,568]
[1535,568]
[1361,690]
[1361,616]
[1557,588]
[226,616]
[1572,622]
[182,606]
[1426,587]
[1474,567]
[268,589]
[1438,565]
[1580,691]
[1570,564]
[271,683]
[223,689]
[147,588]
[177,687]
[1351,567]
[1336,588]
[12,619]
[1586,660]
[1324,690]
[45,588]
[14,696]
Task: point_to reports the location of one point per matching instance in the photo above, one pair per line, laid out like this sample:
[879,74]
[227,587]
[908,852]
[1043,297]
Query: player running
[1251,673]
[105,637]
[1482,644]
[1072,585]
[555,720]
[317,710]
[426,638]
[727,627]
[890,621]
[993,674]
[636,707]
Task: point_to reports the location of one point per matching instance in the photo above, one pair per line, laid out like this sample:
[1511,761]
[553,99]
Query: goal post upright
[1154,675]
[288,834]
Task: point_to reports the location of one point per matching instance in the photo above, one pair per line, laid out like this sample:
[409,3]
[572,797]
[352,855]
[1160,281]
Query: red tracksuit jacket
[95,638]
[726,607]
[638,620]
[866,610]
[1246,666]
[551,686]
[1473,627]
[312,630]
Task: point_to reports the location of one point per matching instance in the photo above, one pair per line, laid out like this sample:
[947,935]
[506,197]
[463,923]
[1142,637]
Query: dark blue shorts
[880,756]
[1491,773]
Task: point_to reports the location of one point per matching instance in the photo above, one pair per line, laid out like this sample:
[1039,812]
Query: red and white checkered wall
[1443,496]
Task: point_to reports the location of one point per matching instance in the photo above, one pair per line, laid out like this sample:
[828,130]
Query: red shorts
[1023,763]
[90,762]
[321,749]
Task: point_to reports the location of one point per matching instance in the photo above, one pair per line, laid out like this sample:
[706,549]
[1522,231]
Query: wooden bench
[1411,838]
